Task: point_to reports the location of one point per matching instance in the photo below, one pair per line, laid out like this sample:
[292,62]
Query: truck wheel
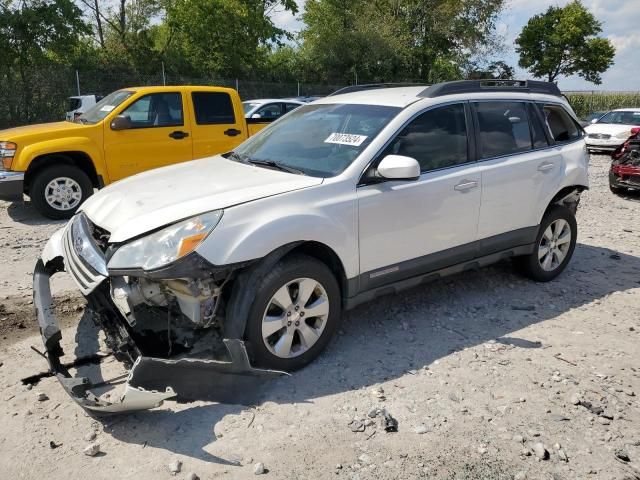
[58,191]
[296,311]
[554,245]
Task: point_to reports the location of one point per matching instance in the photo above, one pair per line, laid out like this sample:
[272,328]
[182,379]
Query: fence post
[78,81]
[298,88]
[164,78]
[237,86]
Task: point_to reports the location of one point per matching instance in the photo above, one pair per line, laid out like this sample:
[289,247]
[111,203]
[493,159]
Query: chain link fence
[40,94]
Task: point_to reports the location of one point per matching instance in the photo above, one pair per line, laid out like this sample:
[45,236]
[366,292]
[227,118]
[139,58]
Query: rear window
[213,108]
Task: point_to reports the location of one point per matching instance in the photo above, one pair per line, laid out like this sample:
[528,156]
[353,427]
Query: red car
[625,168]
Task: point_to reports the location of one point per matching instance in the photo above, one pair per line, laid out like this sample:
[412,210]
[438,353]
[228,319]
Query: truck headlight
[7,152]
[167,245]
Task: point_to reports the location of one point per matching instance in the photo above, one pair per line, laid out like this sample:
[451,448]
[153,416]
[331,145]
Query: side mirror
[595,120]
[121,122]
[399,167]
[256,115]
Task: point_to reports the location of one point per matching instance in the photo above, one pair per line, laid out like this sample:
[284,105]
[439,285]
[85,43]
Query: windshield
[104,106]
[248,106]
[318,140]
[621,118]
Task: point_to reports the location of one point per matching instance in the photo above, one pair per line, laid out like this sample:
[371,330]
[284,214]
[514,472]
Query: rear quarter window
[560,124]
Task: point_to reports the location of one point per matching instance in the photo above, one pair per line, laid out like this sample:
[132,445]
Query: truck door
[158,135]
[218,127]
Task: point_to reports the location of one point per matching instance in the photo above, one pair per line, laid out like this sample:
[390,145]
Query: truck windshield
[318,140]
[104,106]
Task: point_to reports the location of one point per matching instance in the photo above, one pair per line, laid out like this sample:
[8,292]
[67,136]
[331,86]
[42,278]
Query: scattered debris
[53,445]
[92,449]
[41,397]
[193,476]
[387,422]
[258,469]
[378,393]
[421,429]
[622,455]
[356,426]
[562,455]
[175,467]
[90,437]
[540,451]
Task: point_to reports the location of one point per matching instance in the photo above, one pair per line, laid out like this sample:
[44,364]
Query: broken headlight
[167,245]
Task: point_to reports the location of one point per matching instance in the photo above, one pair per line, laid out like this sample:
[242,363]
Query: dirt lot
[489,376]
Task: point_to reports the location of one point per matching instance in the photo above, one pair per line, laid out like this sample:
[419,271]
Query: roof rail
[371,86]
[476,86]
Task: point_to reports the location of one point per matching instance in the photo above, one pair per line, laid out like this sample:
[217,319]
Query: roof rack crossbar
[476,86]
[371,86]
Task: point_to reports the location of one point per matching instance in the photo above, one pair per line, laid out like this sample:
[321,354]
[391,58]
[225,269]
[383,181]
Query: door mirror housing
[256,115]
[399,167]
[595,120]
[121,122]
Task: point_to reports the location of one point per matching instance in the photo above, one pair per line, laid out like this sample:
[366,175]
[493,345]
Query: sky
[620,21]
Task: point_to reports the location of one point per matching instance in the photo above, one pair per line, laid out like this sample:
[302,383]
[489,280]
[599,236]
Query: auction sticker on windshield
[346,139]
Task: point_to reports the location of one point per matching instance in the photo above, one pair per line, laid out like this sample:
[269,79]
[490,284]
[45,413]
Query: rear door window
[503,128]
[560,124]
[213,108]
[270,111]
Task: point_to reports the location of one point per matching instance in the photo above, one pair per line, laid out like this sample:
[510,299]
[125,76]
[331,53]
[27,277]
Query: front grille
[599,136]
[85,276]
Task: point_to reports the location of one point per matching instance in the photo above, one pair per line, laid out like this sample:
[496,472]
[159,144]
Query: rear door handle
[178,135]
[232,132]
[465,185]
[545,166]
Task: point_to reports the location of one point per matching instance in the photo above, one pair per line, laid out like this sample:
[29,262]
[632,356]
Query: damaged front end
[625,168]
[166,326]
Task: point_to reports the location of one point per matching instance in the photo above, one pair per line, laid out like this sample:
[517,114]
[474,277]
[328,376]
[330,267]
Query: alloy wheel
[295,317]
[554,245]
[63,193]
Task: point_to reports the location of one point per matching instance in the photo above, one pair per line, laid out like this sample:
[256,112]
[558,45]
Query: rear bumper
[624,176]
[11,185]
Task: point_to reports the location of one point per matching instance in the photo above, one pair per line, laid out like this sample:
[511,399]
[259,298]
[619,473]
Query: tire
[76,188]
[290,271]
[617,190]
[534,266]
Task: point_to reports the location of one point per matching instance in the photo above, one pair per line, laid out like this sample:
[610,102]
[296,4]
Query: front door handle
[465,185]
[232,132]
[178,135]
[545,166]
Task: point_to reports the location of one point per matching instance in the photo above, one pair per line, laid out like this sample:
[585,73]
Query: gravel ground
[489,376]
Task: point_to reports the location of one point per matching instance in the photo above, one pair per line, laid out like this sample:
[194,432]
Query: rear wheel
[57,191]
[296,310]
[555,244]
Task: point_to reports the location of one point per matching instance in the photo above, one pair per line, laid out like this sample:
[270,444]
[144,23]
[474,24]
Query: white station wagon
[237,267]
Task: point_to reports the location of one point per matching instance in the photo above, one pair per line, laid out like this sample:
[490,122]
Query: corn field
[584,103]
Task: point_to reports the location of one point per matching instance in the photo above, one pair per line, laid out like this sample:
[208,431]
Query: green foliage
[563,41]
[583,103]
[391,40]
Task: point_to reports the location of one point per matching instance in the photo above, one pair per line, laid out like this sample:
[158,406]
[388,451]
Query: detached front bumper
[11,185]
[151,380]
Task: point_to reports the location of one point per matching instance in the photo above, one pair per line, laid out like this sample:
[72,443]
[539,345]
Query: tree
[497,70]
[395,40]
[564,41]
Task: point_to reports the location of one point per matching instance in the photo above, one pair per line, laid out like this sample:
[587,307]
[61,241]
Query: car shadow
[24,212]
[631,195]
[394,335]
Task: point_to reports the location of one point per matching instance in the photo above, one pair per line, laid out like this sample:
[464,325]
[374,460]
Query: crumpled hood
[159,197]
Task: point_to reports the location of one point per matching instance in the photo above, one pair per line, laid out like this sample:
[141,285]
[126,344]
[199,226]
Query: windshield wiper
[279,166]
[238,157]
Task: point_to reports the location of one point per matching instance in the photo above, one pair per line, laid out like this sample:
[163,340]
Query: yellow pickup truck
[129,131]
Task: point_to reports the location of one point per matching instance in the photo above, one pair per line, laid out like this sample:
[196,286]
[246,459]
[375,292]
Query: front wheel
[555,243]
[295,313]
[57,191]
